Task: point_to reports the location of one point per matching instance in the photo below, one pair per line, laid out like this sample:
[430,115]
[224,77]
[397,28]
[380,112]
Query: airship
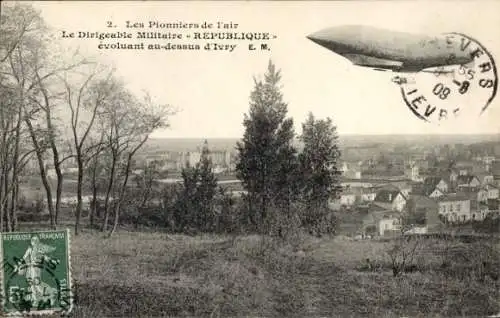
[389,50]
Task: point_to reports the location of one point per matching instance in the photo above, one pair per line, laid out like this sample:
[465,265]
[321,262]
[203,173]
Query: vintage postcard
[250,158]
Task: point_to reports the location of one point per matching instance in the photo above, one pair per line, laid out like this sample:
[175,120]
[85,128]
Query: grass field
[137,274]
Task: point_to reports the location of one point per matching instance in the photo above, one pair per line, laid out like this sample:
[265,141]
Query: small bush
[403,254]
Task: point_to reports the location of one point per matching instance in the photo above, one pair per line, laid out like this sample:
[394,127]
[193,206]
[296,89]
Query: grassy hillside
[153,274]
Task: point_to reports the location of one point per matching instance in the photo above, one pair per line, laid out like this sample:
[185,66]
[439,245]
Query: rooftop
[451,197]
[387,195]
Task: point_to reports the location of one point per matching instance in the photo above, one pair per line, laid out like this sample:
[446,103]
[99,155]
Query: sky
[212,88]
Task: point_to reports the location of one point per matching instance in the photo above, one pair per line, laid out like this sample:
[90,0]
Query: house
[463,171]
[412,172]
[361,195]
[402,186]
[354,183]
[485,158]
[455,208]
[493,207]
[347,198]
[479,168]
[466,167]
[493,191]
[495,167]
[367,194]
[417,230]
[382,222]
[453,175]
[436,183]
[432,187]
[468,181]
[406,190]
[390,199]
[423,210]
[436,193]
[423,165]
[485,178]
[476,194]
[479,210]
[351,170]
[482,195]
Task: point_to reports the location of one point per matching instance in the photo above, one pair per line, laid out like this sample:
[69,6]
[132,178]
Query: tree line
[58,108]
[285,188]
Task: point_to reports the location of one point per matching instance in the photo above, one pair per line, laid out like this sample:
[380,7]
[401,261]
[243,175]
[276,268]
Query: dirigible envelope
[390,50]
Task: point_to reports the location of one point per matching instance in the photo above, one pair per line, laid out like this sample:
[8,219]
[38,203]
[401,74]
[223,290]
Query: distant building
[367,194]
[347,198]
[390,199]
[485,178]
[423,165]
[495,167]
[412,172]
[382,222]
[453,175]
[402,186]
[468,181]
[475,194]
[355,183]
[437,183]
[169,165]
[221,158]
[455,208]
[493,207]
[432,187]
[422,205]
[351,170]
[463,171]
[436,194]
[361,195]
[193,158]
[493,191]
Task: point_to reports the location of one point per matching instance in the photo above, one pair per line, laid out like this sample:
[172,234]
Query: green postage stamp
[36,273]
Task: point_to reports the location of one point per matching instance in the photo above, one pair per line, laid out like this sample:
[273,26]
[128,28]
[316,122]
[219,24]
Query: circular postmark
[450,91]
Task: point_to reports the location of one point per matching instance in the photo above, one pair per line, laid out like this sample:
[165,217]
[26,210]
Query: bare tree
[129,125]
[86,102]
[145,184]
[38,90]
[14,154]
[403,253]
[19,71]
[95,170]
[32,69]
[16,20]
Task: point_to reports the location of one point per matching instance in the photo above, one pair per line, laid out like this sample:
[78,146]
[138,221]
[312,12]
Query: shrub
[403,252]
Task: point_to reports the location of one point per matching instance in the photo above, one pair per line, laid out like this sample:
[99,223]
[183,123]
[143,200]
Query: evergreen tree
[266,147]
[319,162]
[195,206]
[286,182]
[186,206]
[206,190]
